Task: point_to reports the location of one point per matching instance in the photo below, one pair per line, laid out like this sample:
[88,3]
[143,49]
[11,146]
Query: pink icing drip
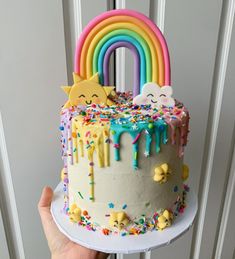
[173,133]
[184,132]
[182,124]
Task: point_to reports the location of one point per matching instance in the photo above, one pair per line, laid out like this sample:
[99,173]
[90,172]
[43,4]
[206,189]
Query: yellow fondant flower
[74,213]
[162,173]
[164,220]
[118,219]
[185,172]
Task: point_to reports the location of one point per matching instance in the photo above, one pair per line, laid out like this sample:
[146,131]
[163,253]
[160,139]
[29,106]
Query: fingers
[46,198]
[58,243]
[44,206]
[56,240]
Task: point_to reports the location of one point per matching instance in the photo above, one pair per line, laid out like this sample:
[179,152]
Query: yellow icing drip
[90,138]
[75,146]
[99,147]
[80,143]
[106,148]
[91,175]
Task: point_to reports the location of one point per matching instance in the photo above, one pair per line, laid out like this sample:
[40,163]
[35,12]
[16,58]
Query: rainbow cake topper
[135,31]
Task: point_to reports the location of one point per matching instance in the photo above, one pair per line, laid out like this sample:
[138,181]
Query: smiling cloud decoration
[87,91]
[155,95]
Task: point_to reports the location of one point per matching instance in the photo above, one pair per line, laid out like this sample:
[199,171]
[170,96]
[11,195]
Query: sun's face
[86,92]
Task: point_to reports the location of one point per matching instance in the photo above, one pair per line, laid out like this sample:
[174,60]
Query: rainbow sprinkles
[101,129]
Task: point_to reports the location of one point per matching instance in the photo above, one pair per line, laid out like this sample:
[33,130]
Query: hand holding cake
[60,246]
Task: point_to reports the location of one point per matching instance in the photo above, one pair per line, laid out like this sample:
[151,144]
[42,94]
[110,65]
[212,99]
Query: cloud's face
[155,95]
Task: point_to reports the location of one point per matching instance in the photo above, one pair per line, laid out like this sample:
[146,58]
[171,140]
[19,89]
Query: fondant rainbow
[123,28]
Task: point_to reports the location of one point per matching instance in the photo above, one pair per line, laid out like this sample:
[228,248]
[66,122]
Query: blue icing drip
[135,155]
[135,134]
[160,128]
[157,134]
[148,139]
[165,137]
[117,154]
[116,139]
[123,125]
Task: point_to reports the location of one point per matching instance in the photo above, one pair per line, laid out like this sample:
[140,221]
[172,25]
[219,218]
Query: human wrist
[56,256]
[80,256]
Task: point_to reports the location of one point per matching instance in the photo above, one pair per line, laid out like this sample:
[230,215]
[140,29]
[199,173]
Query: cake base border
[122,244]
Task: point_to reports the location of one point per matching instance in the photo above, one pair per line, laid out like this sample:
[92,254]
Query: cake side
[123,152]
[120,187]
[113,157]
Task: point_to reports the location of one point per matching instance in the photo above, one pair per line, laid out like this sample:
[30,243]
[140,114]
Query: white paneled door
[37,43]
[3,242]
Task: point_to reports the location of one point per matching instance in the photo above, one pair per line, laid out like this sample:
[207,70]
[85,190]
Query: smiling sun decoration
[87,91]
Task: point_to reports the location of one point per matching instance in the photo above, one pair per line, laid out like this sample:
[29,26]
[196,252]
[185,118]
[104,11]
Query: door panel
[33,66]
[38,40]
[223,171]
[3,243]
[192,62]
[227,245]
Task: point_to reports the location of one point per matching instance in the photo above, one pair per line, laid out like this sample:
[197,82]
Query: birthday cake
[123,152]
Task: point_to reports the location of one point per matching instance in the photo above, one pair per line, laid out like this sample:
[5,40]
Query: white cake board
[122,244]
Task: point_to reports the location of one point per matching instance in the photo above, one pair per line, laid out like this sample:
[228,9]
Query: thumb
[53,235]
[46,197]
[44,204]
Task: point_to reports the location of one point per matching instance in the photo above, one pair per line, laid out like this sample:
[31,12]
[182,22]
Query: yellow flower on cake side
[162,173]
[118,219]
[164,220]
[74,213]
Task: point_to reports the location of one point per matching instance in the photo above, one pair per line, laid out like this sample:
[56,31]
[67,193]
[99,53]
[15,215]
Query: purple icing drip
[136,64]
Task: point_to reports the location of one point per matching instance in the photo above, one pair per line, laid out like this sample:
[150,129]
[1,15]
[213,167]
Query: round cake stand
[122,244]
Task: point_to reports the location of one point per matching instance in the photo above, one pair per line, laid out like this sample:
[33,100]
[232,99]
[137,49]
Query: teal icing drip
[161,133]
[116,138]
[148,139]
[135,155]
[159,128]
[158,136]
[165,137]
[135,134]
